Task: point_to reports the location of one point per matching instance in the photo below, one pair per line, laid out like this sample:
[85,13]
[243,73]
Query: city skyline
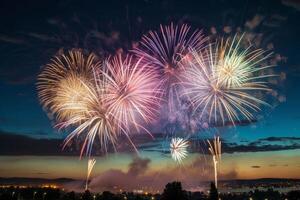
[30,145]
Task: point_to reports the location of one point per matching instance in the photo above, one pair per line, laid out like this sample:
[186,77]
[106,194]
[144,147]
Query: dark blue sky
[33,31]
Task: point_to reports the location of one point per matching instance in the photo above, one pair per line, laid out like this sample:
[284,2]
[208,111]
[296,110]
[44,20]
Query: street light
[45,193]
[34,193]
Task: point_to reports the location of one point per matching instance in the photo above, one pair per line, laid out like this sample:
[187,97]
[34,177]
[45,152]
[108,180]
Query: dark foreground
[172,191]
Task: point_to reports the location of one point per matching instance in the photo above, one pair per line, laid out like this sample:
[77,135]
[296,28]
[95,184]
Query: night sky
[33,31]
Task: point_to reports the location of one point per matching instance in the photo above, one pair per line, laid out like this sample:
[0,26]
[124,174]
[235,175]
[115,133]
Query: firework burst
[98,100]
[131,91]
[166,50]
[97,120]
[221,81]
[62,84]
[69,91]
[178,148]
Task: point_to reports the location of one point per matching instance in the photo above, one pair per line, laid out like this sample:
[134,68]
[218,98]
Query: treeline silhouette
[172,191]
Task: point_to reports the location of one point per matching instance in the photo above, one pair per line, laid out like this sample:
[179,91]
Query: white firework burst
[178,148]
[222,81]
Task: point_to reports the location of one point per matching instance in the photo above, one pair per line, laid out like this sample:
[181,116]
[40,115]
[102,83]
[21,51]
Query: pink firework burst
[131,91]
[167,50]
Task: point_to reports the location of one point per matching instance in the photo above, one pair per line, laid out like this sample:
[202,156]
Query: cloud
[280,139]
[40,144]
[260,145]
[254,148]
[129,180]
[264,144]
[273,165]
[43,37]
[231,175]
[12,40]
[254,22]
[292,3]
[16,144]
[42,173]
[13,77]
[227,29]
[138,166]
[12,144]
[256,167]
[191,176]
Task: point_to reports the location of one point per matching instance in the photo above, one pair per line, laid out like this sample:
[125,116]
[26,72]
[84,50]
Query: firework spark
[91,164]
[61,84]
[221,81]
[68,90]
[97,120]
[99,100]
[131,91]
[165,50]
[215,150]
[178,148]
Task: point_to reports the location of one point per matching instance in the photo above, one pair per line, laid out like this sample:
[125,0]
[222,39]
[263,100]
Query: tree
[173,191]
[213,193]
[69,196]
[87,195]
[106,195]
[293,195]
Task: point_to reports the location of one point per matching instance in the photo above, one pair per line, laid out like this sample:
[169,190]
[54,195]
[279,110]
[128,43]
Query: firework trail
[221,81]
[131,91]
[178,148]
[166,50]
[91,164]
[215,150]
